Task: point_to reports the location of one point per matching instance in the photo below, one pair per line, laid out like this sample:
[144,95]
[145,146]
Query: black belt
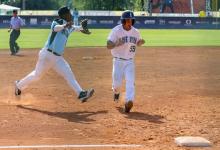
[123,58]
[49,50]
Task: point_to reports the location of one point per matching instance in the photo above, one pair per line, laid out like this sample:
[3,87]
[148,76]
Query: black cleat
[116,97]
[17,49]
[13,54]
[17,90]
[128,106]
[84,95]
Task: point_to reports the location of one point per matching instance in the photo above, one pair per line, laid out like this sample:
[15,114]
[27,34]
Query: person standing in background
[15,27]
[166,3]
[76,17]
[150,7]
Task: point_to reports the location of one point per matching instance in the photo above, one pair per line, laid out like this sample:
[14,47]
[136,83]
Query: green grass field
[35,38]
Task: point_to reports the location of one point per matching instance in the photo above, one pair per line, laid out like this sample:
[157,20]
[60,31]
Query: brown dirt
[177,94]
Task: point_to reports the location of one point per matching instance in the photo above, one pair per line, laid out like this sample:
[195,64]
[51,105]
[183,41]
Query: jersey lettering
[129,39]
[125,39]
[133,40]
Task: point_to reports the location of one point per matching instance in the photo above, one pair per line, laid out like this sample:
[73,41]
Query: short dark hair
[15,11]
[63,10]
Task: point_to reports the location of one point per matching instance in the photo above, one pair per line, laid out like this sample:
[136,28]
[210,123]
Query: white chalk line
[70,146]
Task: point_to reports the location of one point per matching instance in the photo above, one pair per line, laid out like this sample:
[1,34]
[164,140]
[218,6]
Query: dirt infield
[177,94]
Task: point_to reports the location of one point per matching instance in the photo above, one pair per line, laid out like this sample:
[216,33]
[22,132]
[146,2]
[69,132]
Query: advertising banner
[142,22]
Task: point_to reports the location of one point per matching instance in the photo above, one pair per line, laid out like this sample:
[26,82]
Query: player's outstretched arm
[82,28]
[59,28]
[140,42]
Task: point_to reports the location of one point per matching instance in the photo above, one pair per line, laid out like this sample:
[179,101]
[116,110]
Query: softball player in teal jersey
[51,56]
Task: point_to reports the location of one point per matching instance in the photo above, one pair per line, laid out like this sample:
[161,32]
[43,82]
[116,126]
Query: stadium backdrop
[142,22]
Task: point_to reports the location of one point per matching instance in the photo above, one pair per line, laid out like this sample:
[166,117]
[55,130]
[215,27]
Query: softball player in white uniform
[122,41]
[51,56]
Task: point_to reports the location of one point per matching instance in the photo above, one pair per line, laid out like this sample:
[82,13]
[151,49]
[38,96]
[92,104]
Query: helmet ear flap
[123,21]
[133,22]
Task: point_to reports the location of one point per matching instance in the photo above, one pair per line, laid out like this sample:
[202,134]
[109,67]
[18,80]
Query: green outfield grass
[35,38]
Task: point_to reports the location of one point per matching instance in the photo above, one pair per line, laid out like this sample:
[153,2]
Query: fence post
[192,7]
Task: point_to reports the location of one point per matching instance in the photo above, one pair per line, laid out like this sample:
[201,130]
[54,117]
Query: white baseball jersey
[129,38]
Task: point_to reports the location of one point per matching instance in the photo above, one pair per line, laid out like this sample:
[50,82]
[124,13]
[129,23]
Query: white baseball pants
[124,69]
[46,61]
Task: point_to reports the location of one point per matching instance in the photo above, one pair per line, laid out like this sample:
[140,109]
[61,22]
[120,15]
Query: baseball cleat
[17,90]
[17,49]
[84,95]
[13,54]
[128,106]
[116,97]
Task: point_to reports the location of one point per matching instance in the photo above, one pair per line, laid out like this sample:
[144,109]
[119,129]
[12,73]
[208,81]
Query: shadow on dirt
[19,55]
[141,116]
[78,117]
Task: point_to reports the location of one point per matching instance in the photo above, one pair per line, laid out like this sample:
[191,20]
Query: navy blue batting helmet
[63,10]
[127,15]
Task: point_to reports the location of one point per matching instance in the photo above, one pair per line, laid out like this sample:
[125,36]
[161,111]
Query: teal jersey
[57,40]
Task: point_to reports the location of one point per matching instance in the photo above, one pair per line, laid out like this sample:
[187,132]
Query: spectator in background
[150,7]
[15,25]
[76,17]
[166,3]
